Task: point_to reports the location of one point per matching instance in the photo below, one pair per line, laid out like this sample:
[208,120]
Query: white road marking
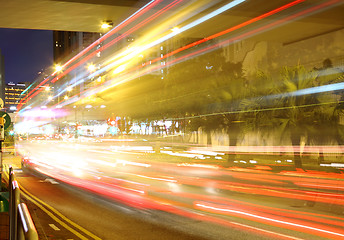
[52,181]
[54,227]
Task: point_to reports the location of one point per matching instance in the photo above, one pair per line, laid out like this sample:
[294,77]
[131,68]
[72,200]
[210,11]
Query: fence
[21,224]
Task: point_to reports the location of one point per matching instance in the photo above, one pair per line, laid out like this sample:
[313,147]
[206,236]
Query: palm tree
[327,111]
[295,117]
[228,92]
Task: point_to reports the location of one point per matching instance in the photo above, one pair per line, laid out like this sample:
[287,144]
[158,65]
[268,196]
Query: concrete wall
[272,56]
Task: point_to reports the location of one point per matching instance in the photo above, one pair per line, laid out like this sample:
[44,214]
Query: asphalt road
[61,211]
[175,192]
[95,218]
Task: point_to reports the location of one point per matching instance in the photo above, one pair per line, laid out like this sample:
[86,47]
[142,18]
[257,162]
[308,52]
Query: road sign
[7,119]
[1,103]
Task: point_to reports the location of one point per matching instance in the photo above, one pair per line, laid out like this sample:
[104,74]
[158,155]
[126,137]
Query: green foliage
[209,93]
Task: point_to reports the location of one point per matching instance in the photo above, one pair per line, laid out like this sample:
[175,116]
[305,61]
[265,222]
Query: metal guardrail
[21,224]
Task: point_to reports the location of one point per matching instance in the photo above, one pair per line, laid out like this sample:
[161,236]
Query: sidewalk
[4,226]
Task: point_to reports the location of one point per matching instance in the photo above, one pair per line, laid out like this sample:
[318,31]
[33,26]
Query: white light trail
[268,219]
[130,53]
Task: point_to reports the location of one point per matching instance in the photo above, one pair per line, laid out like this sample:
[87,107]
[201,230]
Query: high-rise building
[68,44]
[14,92]
[2,78]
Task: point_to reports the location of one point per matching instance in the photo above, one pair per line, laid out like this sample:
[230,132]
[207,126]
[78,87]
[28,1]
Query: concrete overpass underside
[87,16]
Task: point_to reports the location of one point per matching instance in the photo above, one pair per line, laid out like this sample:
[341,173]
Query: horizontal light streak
[314,230]
[147,189]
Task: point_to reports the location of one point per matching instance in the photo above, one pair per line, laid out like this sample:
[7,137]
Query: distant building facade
[14,92]
[68,44]
[266,55]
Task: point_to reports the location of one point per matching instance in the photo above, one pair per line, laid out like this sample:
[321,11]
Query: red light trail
[110,33]
[284,7]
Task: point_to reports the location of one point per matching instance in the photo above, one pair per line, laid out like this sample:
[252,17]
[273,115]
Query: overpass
[251,23]
[165,120]
[87,16]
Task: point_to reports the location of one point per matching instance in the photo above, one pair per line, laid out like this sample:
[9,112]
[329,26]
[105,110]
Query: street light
[91,67]
[58,68]
[107,24]
[175,30]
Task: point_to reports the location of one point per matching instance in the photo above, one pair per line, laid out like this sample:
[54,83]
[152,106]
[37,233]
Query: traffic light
[78,128]
[111,122]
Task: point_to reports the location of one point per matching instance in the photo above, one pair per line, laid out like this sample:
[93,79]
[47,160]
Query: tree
[295,117]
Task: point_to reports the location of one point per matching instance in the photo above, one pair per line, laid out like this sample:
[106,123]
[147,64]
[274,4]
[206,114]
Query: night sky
[26,52]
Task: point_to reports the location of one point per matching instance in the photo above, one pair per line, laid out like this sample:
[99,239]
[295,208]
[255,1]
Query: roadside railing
[21,224]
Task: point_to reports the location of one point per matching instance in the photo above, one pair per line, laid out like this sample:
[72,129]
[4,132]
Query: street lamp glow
[58,68]
[50,98]
[65,97]
[175,30]
[47,88]
[91,67]
[69,89]
[106,25]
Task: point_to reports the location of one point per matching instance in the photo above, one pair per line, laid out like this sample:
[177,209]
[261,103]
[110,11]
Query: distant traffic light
[111,122]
